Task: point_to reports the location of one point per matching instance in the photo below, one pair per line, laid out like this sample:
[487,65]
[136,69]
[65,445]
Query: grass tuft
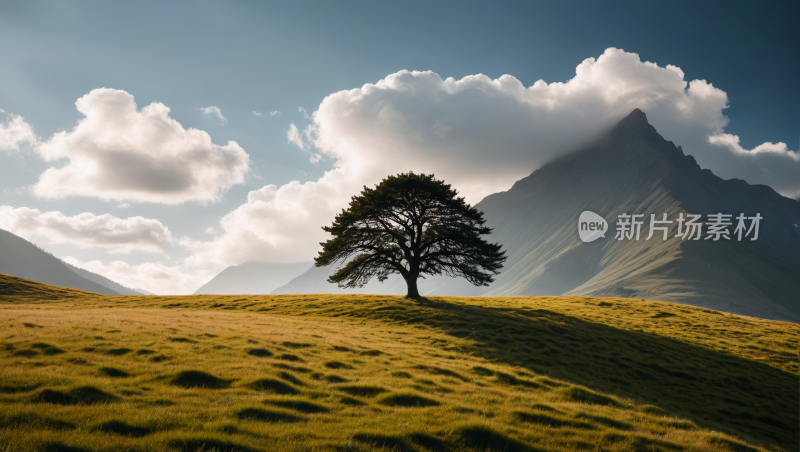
[485,439]
[406,399]
[290,378]
[33,420]
[84,395]
[199,379]
[290,357]
[112,372]
[303,406]
[122,428]
[337,365]
[262,415]
[259,352]
[508,379]
[362,390]
[208,444]
[384,441]
[583,395]
[482,371]
[273,385]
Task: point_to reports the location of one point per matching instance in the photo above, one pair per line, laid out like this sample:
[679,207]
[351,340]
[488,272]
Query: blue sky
[280,56]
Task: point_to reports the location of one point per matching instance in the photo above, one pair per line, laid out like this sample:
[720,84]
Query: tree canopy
[414,225]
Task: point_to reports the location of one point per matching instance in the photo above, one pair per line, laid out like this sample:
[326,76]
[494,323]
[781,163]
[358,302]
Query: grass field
[82,372]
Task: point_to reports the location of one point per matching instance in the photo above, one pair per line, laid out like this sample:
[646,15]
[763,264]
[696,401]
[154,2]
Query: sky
[157,143]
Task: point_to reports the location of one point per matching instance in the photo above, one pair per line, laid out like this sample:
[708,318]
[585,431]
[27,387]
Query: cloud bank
[120,153]
[86,230]
[480,135]
[154,277]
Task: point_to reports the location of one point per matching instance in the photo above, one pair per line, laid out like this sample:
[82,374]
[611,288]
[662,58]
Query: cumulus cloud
[214,111]
[277,224]
[257,113]
[154,277]
[14,132]
[120,153]
[772,164]
[86,230]
[480,135]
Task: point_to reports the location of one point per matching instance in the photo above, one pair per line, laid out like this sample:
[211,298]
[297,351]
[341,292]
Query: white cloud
[124,205]
[478,134]
[154,277]
[211,230]
[271,114]
[15,131]
[86,230]
[293,136]
[119,153]
[209,111]
[772,164]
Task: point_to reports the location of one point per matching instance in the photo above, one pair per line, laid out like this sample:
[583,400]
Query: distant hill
[103,281]
[632,169]
[24,290]
[20,258]
[252,278]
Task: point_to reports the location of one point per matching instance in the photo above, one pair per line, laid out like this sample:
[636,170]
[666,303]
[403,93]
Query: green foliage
[412,225]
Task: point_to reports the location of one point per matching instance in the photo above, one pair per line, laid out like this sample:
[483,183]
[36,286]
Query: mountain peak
[636,117]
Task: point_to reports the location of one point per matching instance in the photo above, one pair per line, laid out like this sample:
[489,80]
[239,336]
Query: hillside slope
[21,258]
[103,281]
[634,170]
[358,372]
[252,278]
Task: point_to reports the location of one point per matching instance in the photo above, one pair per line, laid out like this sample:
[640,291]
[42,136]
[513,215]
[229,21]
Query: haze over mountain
[103,281]
[633,170]
[20,258]
[253,278]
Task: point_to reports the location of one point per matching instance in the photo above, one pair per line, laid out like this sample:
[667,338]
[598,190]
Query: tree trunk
[413,293]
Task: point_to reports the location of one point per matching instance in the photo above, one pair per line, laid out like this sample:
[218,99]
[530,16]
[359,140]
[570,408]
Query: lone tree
[414,225]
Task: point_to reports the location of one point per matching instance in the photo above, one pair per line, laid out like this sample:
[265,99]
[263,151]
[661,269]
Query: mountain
[103,281]
[633,170]
[20,258]
[252,278]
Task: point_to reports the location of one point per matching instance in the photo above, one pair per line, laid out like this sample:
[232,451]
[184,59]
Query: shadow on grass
[273,385]
[716,390]
[199,379]
[85,395]
[208,445]
[262,415]
[123,428]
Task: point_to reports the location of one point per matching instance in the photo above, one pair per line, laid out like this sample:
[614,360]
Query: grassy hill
[372,372]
